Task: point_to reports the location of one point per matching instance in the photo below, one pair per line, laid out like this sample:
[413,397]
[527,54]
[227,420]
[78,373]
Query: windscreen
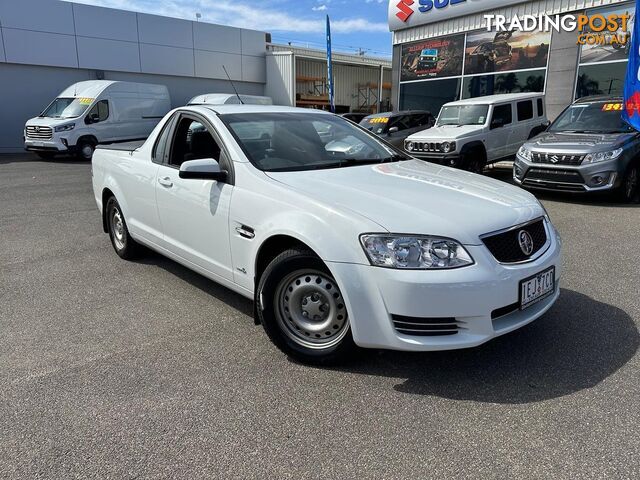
[598,117]
[67,107]
[463,115]
[377,125]
[299,141]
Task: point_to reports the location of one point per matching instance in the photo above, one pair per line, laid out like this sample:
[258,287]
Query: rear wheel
[629,190]
[86,149]
[302,309]
[124,245]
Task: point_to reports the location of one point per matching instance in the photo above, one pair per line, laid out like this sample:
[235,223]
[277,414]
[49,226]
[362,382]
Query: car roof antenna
[232,85]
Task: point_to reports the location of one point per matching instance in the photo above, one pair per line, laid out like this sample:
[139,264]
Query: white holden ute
[340,239]
[473,133]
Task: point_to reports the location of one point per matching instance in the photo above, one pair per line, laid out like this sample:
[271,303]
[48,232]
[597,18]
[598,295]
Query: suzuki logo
[554,159]
[405,10]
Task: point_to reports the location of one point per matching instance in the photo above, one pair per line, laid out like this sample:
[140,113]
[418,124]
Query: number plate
[537,288]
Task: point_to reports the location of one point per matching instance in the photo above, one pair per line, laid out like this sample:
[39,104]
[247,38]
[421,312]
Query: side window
[192,141]
[403,122]
[502,115]
[540,107]
[99,112]
[419,120]
[525,110]
[159,148]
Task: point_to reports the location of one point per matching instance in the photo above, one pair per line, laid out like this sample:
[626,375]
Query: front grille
[426,147]
[40,133]
[555,175]
[505,247]
[425,327]
[556,159]
[562,187]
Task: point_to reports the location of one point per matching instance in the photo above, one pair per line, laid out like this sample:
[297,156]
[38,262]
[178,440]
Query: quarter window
[161,143]
[525,110]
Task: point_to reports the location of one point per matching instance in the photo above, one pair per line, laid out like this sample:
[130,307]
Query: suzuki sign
[411,13]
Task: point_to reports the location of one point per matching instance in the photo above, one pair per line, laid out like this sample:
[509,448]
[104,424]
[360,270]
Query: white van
[229,99]
[93,112]
[473,133]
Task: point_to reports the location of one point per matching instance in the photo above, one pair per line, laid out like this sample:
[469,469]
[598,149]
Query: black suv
[395,127]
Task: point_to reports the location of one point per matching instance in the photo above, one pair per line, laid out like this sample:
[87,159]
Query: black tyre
[46,155]
[473,161]
[124,245]
[629,191]
[302,310]
[85,150]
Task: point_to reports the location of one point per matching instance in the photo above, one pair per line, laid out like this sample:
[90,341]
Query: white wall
[62,34]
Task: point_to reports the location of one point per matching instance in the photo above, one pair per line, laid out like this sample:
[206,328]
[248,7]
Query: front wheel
[629,190]
[85,150]
[302,309]
[473,162]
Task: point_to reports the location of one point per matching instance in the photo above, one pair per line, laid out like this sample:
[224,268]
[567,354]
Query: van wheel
[629,190]
[86,149]
[302,309]
[124,245]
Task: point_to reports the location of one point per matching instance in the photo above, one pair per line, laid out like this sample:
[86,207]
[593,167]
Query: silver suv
[588,148]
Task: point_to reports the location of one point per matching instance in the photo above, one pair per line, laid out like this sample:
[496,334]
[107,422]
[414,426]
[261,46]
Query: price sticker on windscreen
[85,101]
[612,107]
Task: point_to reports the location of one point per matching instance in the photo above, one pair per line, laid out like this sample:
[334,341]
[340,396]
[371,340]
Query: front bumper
[482,299]
[446,159]
[593,177]
[55,144]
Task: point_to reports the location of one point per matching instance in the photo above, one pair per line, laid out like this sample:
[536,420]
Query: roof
[491,99]
[231,109]
[338,57]
[395,114]
[600,98]
[229,99]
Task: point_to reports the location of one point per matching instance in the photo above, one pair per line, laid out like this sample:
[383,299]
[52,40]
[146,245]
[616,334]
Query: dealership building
[47,45]
[445,52]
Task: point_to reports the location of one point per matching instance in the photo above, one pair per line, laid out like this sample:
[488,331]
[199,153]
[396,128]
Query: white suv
[472,133]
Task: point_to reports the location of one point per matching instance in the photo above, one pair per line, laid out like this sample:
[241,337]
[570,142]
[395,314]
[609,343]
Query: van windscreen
[67,107]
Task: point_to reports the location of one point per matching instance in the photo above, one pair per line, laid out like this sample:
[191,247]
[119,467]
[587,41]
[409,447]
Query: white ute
[337,246]
[93,112]
[473,133]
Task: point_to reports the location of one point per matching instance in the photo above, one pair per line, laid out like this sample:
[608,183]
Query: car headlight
[409,146]
[603,156]
[448,147]
[65,128]
[414,252]
[525,153]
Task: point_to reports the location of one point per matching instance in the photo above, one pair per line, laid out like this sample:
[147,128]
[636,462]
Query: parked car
[394,127]
[260,204]
[470,134]
[229,99]
[588,148]
[355,117]
[93,112]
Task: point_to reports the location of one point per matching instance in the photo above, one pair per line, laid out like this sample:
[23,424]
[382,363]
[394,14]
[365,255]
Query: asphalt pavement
[113,369]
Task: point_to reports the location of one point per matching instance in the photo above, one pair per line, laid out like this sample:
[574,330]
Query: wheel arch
[476,145]
[89,137]
[273,246]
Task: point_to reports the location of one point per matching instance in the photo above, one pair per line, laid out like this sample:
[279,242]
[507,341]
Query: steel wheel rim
[117,227]
[632,182]
[310,309]
[87,151]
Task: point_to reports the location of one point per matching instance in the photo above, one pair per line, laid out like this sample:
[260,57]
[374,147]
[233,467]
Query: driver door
[499,135]
[194,214]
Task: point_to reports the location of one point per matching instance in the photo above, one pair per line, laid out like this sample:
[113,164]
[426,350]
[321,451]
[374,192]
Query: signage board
[412,13]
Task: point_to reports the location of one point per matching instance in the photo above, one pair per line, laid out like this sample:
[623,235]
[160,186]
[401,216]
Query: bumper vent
[505,247]
[425,327]
[553,159]
[555,175]
[39,133]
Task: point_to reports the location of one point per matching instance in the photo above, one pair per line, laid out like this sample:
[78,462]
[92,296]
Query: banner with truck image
[433,58]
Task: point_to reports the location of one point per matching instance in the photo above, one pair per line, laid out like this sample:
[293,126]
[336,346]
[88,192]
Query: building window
[514,82]
[429,95]
[603,79]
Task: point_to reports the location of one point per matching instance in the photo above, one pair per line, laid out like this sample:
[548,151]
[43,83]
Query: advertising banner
[489,52]
[631,113]
[616,46]
[332,95]
[433,58]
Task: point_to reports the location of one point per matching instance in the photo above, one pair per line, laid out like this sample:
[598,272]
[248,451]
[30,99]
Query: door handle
[165,182]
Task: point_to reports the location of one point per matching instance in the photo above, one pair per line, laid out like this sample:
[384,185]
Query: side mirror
[496,123]
[206,169]
[393,130]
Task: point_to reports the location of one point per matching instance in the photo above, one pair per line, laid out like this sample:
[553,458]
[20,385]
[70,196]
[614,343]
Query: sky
[355,24]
